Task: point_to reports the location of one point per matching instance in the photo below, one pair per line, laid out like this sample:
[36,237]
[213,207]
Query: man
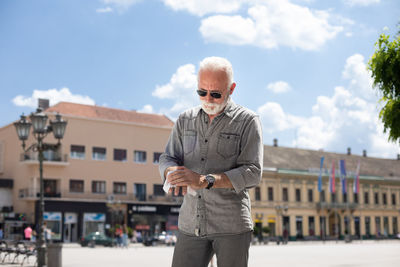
[216,150]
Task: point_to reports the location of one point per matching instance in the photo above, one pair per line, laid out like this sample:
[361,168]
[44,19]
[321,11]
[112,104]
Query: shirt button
[206,140]
[199,196]
[202,159]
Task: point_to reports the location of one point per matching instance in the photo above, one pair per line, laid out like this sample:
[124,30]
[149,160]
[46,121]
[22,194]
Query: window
[322,196]
[76,186]
[119,188]
[270,194]
[393,199]
[119,154]
[355,198]
[139,156]
[99,153]
[156,157]
[366,198]
[258,193]
[99,187]
[333,195]
[344,198]
[139,190]
[77,152]
[158,190]
[376,196]
[310,195]
[384,198]
[298,195]
[285,196]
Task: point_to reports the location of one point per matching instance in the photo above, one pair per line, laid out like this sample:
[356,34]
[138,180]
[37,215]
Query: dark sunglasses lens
[215,95]
[201,93]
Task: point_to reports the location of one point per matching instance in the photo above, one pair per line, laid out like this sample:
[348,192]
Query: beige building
[104,172]
[289,203]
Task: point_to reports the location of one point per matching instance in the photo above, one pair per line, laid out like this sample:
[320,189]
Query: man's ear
[232,88]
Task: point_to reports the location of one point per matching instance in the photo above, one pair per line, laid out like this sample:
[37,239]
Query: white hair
[217,64]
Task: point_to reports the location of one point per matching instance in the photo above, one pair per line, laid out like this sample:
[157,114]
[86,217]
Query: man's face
[214,81]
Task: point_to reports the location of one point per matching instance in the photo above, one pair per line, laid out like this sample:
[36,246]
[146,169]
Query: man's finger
[184,190]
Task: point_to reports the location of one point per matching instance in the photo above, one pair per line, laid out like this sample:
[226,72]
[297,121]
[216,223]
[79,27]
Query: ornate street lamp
[40,131]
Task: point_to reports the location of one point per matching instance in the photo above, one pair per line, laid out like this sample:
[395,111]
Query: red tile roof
[97,112]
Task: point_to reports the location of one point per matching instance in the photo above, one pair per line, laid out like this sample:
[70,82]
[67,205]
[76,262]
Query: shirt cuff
[163,167]
[236,178]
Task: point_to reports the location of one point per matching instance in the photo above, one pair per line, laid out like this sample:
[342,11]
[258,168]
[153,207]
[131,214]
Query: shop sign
[144,208]
[70,218]
[142,227]
[94,217]
[174,209]
[52,216]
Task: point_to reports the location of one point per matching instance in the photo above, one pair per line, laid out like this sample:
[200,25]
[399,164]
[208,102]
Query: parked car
[97,238]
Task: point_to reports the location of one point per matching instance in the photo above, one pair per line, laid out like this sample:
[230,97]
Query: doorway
[70,227]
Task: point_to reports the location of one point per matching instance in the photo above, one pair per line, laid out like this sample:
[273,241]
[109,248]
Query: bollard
[54,258]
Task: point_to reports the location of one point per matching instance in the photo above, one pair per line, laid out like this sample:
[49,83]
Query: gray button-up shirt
[231,144]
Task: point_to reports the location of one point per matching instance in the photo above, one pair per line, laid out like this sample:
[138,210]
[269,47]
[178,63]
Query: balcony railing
[341,206]
[50,157]
[32,193]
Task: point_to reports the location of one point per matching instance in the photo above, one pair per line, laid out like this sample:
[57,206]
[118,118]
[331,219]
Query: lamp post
[279,210]
[40,131]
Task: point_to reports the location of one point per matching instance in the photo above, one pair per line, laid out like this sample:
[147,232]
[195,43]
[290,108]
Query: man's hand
[184,177]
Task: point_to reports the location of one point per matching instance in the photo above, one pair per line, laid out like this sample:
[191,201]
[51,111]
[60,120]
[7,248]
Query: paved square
[295,254]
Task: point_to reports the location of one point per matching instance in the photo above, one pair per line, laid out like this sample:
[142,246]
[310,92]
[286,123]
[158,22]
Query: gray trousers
[193,251]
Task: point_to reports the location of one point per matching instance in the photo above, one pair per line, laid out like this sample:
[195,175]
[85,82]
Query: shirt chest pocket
[228,144]
[189,141]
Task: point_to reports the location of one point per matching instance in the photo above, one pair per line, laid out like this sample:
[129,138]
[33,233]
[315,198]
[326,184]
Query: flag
[356,184]
[343,175]
[320,175]
[332,188]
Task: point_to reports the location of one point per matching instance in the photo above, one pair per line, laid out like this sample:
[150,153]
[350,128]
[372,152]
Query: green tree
[385,67]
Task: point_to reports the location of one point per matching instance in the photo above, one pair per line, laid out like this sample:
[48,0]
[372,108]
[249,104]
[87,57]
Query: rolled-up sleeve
[250,160]
[173,151]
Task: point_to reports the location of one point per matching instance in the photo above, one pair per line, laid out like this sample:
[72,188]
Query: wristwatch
[210,180]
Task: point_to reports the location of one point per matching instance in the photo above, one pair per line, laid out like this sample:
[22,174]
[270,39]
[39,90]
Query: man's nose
[208,97]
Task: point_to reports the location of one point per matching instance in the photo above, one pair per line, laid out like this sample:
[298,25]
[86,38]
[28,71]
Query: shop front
[153,219]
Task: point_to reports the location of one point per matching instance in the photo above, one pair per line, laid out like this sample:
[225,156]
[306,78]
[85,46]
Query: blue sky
[300,64]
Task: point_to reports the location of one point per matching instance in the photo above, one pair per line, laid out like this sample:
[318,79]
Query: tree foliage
[385,67]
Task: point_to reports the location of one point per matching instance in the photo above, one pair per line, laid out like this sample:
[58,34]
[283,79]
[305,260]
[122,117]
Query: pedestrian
[125,236]
[28,233]
[1,233]
[216,150]
[118,235]
[47,233]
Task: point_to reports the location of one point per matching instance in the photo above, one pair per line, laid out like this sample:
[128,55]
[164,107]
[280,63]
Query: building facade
[289,203]
[105,172]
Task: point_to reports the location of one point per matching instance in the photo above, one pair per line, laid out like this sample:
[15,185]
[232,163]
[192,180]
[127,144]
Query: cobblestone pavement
[298,254]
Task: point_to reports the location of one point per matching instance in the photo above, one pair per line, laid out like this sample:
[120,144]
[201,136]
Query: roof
[97,112]
[309,160]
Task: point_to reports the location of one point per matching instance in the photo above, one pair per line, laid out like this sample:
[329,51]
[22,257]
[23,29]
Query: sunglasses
[203,93]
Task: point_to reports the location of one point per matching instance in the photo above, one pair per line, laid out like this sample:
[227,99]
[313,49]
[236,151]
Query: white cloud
[54,95]
[271,24]
[233,30]
[181,89]
[147,109]
[120,5]
[348,118]
[279,87]
[203,7]
[361,2]
[104,10]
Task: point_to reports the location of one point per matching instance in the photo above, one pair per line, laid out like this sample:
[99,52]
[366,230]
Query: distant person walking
[28,233]
[1,233]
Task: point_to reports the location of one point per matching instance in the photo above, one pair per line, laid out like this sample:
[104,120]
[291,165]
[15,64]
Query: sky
[300,64]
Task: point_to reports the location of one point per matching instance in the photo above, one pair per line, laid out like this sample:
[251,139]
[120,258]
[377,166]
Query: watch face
[210,179]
